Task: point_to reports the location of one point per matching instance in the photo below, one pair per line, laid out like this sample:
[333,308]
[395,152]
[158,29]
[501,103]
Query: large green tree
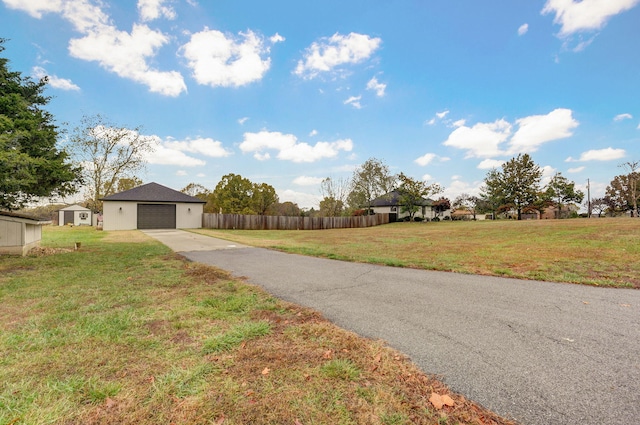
[263,197]
[108,153]
[31,164]
[622,192]
[563,191]
[633,177]
[413,193]
[370,181]
[235,194]
[517,185]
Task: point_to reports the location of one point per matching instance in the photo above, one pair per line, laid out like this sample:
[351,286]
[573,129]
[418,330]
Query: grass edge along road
[123,331]
[599,252]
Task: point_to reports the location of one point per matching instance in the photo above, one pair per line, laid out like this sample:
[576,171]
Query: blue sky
[288,92]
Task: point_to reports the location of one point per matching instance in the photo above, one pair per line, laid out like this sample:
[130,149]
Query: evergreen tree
[31,165]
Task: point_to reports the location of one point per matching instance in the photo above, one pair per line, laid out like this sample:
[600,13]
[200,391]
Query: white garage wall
[119,215]
[189,216]
[124,215]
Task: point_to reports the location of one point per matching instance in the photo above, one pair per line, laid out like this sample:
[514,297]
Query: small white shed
[76,215]
[151,206]
[19,233]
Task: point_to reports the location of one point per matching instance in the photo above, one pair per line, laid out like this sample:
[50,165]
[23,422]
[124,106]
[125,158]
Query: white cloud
[457,187]
[243,120]
[201,175]
[607,154]
[426,159]
[489,164]
[426,177]
[459,123]
[276,38]
[536,130]
[203,146]
[485,140]
[290,149]
[585,15]
[303,200]
[125,54]
[313,133]
[173,152]
[153,9]
[439,116]
[54,81]
[376,86]
[329,53]
[621,117]
[222,60]
[307,181]
[575,170]
[181,173]
[354,101]
[163,155]
[522,30]
[482,140]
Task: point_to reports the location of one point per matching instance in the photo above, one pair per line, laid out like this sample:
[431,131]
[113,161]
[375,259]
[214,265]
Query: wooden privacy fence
[267,222]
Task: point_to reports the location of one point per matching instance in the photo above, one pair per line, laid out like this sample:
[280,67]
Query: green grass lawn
[123,331]
[595,252]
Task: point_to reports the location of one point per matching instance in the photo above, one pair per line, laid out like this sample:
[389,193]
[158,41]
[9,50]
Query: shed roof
[392,199]
[25,218]
[74,207]
[153,192]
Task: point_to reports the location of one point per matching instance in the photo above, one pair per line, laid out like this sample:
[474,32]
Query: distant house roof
[393,199]
[153,192]
[25,218]
[74,207]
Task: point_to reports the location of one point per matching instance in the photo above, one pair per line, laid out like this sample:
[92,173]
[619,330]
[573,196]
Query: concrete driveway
[537,352]
[180,240]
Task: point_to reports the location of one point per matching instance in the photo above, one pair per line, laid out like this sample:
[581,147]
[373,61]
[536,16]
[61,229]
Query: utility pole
[589,198]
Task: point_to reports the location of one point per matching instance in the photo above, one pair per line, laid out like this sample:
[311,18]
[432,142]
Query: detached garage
[151,206]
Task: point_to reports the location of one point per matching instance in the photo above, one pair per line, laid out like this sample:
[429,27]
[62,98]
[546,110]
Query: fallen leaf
[297,422]
[266,371]
[625,305]
[377,358]
[328,355]
[109,403]
[220,420]
[439,401]
[586,302]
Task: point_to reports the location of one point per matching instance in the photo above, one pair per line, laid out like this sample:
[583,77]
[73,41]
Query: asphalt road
[537,352]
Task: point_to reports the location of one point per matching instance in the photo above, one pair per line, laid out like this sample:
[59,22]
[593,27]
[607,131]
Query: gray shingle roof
[153,192]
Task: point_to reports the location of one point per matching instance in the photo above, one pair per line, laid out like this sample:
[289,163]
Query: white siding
[189,216]
[11,233]
[120,215]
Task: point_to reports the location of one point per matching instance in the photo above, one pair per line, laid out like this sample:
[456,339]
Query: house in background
[391,203]
[19,233]
[151,206]
[75,215]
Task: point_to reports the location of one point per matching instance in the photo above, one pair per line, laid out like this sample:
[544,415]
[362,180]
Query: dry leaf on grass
[266,371]
[440,401]
[328,355]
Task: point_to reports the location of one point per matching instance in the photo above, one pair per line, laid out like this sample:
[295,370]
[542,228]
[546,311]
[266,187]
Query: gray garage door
[156,216]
